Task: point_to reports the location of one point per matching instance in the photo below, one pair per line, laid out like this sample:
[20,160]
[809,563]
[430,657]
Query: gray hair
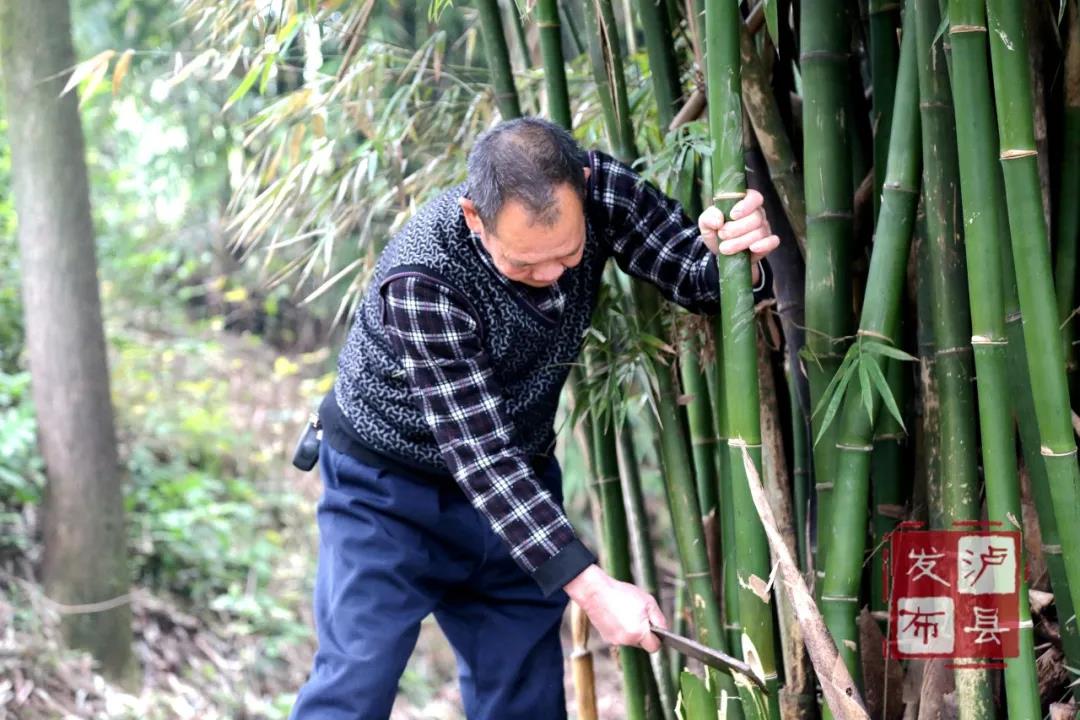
[524,159]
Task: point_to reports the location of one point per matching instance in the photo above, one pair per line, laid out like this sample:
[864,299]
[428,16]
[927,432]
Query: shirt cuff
[562,567]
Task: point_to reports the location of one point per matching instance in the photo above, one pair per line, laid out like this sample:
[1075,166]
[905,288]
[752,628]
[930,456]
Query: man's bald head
[525,160]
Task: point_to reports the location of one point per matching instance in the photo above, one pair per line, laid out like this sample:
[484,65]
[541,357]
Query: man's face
[527,250]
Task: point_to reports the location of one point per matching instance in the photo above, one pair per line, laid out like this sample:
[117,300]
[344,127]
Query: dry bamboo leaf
[121,69]
[839,689]
[86,68]
[883,677]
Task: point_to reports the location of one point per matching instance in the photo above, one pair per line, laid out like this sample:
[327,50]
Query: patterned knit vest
[529,353]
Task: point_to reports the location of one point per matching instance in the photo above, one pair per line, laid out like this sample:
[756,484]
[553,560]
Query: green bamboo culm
[884,18]
[824,48]
[642,558]
[605,57]
[498,59]
[670,427]
[878,327]
[887,480]
[634,661]
[1031,258]
[520,40]
[1067,223]
[980,184]
[547,19]
[738,336]
[960,498]
[663,64]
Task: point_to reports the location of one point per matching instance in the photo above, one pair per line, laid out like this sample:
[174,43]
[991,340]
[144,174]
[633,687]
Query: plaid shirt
[432,329]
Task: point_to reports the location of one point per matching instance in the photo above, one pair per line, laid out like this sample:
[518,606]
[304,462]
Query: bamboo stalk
[568,20]
[1031,259]
[642,557]
[607,62]
[738,337]
[761,107]
[949,313]
[520,40]
[662,63]
[498,59]
[824,40]
[670,426]
[547,18]
[581,665]
[980,182]
[1067,229]
[846,531]
[883,19]
[605,485]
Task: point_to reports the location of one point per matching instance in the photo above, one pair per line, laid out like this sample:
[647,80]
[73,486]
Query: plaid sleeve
[437,338]
[653,239]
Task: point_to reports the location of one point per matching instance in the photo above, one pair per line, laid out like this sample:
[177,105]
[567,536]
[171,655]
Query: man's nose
[548,273]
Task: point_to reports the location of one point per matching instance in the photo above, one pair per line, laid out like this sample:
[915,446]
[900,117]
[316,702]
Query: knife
[704,653]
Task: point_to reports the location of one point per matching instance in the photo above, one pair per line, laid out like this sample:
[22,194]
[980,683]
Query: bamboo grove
[921,162]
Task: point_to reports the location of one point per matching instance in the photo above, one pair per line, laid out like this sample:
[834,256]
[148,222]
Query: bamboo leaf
[834,402]
[879,348]
[244,86]
[772,23]
[864,387]
[941,30]
[86,68]
[121,69]
[95,79]
[849,358]
[883,389]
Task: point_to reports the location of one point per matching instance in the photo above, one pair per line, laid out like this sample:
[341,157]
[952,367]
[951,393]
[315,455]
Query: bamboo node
[823,486]
[87,608]
[854,448]
[728,196]
[874,334]
[707,441]
[984,340]
[1018,154]
[1025,624]
[705,573]
[1051,549]
[957,29]
[1047,452]
[1013,316]
[953,350]
[840,598]
[740,443]
[604,481]
[547,25]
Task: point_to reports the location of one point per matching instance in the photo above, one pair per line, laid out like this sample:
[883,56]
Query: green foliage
[21,476]
[861,360]
[203,523]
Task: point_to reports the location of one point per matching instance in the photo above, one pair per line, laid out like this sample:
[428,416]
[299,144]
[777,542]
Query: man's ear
[588,172]
[472,217]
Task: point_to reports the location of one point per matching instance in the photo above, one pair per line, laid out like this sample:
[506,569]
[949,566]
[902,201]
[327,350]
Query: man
[441,492]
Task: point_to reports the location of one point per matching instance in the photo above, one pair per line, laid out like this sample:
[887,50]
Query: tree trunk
[84,560]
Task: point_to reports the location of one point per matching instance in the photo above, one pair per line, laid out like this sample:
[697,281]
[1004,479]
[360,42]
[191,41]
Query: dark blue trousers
[395,548]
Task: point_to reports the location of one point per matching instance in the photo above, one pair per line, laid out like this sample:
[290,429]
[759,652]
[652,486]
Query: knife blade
[704,653]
